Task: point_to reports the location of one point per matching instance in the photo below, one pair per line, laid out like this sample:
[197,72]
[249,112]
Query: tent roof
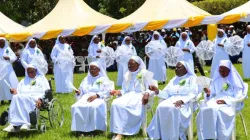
[7,25]
[69,14]
[153,10]
[240,10]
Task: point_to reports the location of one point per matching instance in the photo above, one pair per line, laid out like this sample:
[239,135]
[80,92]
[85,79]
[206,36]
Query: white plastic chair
[145,60]
[240,113]
[148,107]
[80,59]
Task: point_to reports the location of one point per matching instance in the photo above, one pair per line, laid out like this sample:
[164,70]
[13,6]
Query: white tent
[243,10]
[7,25]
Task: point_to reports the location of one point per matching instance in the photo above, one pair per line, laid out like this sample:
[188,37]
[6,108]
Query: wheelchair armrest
[48,95]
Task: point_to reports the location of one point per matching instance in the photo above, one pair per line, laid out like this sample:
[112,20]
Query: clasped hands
[208,92]
[91,98]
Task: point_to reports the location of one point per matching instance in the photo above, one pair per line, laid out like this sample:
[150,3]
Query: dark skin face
[156,36]
[94,70]
[127,41]
[248,30]
[96,40]
[180,69]
[220,34]
[2,43]
[184,37]
[31,72]
[32,44]
[133,65]
[224,71]
[62,40]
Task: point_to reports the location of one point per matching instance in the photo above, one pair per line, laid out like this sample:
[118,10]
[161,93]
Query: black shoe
[9,101]
[2,102]
[164,83]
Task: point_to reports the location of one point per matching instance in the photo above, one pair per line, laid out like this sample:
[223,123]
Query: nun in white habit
[220,54]
[95,50]
[30,51]
[89,112]
[246,54]
[157,66]
[127,43]
[127,109]
[63,70]
[216,117]
[173,115]
[25,99]
[7,55]
[187,46]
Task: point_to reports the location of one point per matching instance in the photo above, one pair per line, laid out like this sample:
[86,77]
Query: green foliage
[217,7]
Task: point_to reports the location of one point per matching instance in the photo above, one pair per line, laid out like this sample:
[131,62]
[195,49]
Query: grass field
[67,100]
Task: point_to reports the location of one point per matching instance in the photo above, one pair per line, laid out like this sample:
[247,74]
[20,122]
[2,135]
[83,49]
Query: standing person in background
[246,54]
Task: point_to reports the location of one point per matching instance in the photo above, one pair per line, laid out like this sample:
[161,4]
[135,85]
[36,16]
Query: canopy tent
[69,17]
[7,25]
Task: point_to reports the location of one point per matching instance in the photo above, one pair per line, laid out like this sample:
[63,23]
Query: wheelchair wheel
[43,128]
[56,114]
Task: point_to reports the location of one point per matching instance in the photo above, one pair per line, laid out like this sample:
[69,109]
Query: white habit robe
[188,44]
[169,122]
[11,77]
[157,66]
[220,53]
[25,100]
[127,111]
[90,116]
[92,54]
[246,57]
[62,76]
[121,69]
[216,121]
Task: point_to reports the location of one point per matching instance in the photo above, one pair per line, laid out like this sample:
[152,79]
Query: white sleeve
[54,54]
[24,57]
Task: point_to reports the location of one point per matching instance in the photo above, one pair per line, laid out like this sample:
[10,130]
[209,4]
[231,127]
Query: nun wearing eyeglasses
[220,54]
[95,50]
[188,48]
[7,57]
[216,117]
[26,97]
[127,111]
[157,66]
[89,112]
[173,114]
[63,58]
[126,43]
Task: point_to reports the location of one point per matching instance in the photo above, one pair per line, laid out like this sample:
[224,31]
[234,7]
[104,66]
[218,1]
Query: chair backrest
[80,59]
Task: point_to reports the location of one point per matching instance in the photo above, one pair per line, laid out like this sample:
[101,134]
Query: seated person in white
[89,112]
[173,115]
[25,98]
[216,117]
[127,110]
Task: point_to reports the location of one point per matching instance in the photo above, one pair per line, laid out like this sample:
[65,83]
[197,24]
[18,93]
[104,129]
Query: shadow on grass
[22,135]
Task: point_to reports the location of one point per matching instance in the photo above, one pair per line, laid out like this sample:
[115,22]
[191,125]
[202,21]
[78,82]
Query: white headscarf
[139,61]
[92,43]
[6,42]
[189,69]
[220,40]
[102,72]
[184,43]
[160,38]
[28,44]
[233,77]
[124,42]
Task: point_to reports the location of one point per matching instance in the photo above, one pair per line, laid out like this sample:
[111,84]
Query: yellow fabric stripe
[153,25]
[212,31]
[51,34]
[230,19]
[116,28]
[81,31]
[2,35]
[194,21]
[18,37]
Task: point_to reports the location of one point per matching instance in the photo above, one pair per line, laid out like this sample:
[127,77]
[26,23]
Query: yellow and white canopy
[8,26]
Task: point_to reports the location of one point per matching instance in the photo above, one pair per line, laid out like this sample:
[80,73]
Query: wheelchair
[55,114]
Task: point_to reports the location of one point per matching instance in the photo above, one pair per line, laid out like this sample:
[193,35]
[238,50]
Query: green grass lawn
[68,99]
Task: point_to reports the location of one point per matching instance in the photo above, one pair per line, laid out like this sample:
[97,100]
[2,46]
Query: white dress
[93,54]
[11,77]
[246,57]
[127,111]
[62,76]
[25,100]
[169,122]
[90,116]
[215,121]
[29,54]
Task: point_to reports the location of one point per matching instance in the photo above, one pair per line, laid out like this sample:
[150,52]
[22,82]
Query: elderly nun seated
[173,115]
[89,112]
[127,110]
[216,117]
[25,98]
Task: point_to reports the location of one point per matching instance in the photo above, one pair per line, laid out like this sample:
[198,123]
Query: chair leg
[243,122]
[234,130]
[144,124]
[190,128]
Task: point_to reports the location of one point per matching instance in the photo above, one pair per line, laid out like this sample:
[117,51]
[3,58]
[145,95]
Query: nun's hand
[221,102]
[221,45]
[178,103]
[154,88]
[99,51]
[185,50]
[38,103]
[13,91]
[207,91]
[78,92]
[6,58]
[92,98]
[145,99]
[248,44]
[97,56]
[115,93]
